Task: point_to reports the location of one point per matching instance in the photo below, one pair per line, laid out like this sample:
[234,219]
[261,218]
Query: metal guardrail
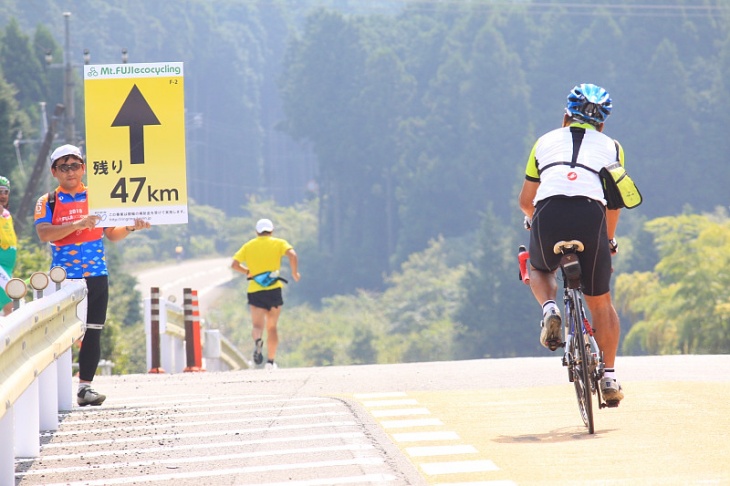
[35,367]
[36,371]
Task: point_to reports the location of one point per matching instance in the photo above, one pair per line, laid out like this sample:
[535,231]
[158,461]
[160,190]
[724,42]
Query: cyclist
[562,198]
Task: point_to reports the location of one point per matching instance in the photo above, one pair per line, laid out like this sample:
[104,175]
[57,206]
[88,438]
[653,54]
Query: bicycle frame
[582,356]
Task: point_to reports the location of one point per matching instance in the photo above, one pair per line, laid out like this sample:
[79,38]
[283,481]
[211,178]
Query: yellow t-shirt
[262,254]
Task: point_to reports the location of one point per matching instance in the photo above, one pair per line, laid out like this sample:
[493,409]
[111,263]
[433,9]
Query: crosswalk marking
[400,412]
[425,436]
[399,424]
[453,467]
[440,450]
[383,409]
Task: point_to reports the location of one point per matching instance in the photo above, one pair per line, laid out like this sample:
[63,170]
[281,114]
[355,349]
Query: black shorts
[573,218]
[266,299]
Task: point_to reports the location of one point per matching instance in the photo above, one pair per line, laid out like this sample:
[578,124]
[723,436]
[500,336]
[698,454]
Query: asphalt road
[205,276]
[476,423]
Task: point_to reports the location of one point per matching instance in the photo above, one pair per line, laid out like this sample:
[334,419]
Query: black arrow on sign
[135,113]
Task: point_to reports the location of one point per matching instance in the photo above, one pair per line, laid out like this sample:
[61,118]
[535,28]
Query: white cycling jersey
[552,164]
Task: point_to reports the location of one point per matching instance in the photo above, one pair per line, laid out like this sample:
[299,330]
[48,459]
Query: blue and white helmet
[589,103]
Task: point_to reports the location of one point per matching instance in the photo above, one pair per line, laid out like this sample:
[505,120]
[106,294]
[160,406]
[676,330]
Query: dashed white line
[424,436]
[390,403]
[399,424]
[365,396]
[400,412]
[426,451]
[454,467]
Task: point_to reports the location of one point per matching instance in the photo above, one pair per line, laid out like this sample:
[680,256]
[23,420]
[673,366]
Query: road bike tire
[581,373]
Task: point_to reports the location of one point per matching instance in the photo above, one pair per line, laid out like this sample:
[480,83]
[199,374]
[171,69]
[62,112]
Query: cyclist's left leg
[605,325]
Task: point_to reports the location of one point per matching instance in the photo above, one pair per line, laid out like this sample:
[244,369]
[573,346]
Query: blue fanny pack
[266,279]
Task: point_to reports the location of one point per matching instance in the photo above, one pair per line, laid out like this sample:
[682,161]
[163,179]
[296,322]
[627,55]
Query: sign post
[135,143]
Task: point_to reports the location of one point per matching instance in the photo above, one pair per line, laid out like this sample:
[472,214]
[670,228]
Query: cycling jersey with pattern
[81,253]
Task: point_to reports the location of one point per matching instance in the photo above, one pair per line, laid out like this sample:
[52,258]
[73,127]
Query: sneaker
[550,335]
[87,396]
[611,391]
[270,366]
[258,358]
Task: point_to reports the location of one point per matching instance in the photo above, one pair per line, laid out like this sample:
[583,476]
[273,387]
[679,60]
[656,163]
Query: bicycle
[582,356]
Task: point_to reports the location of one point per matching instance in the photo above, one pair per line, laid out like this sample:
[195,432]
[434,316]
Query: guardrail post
[155,331]
[7,448]
[27,426]
[194,358]
[64,377]
[212,350]
[48,398]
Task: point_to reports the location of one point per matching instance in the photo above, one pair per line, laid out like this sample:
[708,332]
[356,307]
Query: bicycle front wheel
[581,372]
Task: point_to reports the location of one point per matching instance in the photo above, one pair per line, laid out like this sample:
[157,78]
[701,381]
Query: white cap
[264,226]
[65,150]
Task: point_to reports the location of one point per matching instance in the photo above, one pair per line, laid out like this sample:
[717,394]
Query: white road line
[434,468]
[440,450]
[424,436]
[197,459]
[377,479]
[208,413]
[126,407]
[364,396]
[480,483]
[206,446]
[192,435]
[399,424]
[390,403]
[400,412]
[272,418]
[222,472]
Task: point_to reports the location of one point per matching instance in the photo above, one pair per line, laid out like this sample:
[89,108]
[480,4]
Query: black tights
[98,299]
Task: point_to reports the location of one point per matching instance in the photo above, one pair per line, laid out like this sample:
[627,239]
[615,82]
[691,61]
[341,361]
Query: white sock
[609,373]
[84,385]
[548,305]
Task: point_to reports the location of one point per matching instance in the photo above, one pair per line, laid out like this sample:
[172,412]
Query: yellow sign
[135,143]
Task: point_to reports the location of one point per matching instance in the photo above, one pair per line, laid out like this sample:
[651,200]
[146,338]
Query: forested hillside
[406,124]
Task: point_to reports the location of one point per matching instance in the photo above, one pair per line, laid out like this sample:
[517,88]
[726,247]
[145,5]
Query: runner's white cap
[264,226]
[65,150]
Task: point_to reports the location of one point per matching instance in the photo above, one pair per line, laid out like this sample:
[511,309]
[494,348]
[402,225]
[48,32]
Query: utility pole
[69,120]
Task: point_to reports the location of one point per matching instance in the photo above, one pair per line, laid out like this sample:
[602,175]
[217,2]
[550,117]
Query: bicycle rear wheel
[581,372]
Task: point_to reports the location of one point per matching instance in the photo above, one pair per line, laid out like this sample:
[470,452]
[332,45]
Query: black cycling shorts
[573,218]
[266,299]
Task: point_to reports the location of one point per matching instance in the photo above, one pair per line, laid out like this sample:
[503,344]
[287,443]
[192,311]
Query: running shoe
[87,396]
[550,335]
[270,366]
[258,358]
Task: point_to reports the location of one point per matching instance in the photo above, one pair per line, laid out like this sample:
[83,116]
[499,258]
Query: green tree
[682,306]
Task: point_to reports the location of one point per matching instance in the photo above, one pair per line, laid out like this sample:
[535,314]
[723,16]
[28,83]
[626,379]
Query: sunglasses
[4,192]
[69,167]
